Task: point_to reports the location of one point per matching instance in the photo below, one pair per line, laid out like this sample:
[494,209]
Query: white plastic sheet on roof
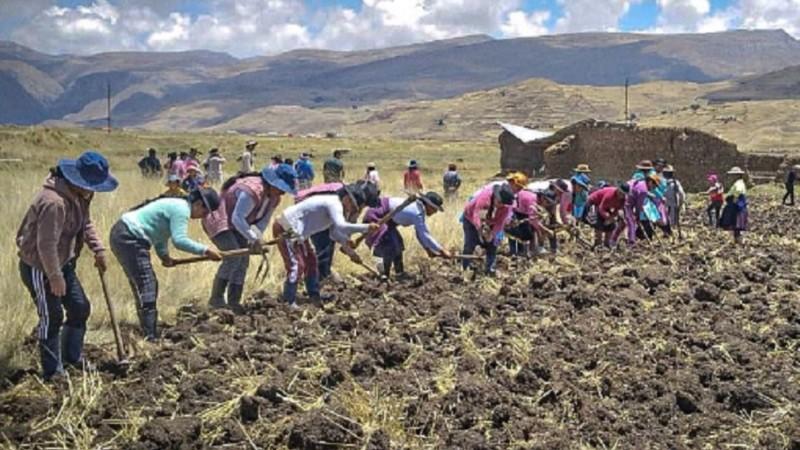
[525,135]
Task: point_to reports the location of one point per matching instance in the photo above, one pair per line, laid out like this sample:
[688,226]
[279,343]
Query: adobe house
[613,149]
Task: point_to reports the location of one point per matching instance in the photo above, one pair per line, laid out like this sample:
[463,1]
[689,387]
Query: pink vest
[318,189]
[220,220]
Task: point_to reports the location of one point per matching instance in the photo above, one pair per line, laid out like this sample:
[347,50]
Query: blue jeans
[472,239]
[324,247]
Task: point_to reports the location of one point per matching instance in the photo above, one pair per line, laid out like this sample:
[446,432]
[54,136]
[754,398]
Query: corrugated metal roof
[526,135]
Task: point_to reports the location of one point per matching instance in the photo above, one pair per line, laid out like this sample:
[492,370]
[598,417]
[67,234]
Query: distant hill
[781,84]
[210,89]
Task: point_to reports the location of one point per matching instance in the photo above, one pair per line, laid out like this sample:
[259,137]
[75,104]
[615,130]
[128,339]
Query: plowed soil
[685,345]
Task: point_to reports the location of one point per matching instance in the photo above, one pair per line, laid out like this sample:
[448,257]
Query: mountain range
[202,89]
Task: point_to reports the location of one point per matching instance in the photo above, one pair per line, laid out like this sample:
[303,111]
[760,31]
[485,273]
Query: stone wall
[612,151]
[516,155]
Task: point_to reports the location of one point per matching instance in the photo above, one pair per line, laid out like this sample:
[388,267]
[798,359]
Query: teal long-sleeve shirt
[162,220]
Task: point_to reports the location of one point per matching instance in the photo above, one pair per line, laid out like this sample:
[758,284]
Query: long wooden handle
[385,219]
[113,317]
[225,254]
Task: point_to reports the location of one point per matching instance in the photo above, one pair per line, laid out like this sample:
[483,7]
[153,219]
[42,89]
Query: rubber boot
[72,345]
[290,293]
[235,292]
[217,299]
[148,319]
[313,290]
[50,350]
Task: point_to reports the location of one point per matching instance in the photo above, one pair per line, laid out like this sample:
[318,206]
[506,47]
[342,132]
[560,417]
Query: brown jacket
[55,228]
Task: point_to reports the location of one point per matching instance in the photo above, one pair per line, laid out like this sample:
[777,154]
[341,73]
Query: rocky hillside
[215,88]
[781,84]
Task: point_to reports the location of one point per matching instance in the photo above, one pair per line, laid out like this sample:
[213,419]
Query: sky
[247,28]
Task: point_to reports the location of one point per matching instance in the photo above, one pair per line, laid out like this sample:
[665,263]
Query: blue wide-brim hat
[282,177]
[90,172]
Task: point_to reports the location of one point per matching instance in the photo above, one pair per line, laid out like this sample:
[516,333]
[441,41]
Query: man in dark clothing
[791,178]
[333,169]
[150,165]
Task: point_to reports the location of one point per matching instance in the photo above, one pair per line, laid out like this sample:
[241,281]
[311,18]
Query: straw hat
[518,179]
[669,169]
[645,165]
[583,168]
[736,170]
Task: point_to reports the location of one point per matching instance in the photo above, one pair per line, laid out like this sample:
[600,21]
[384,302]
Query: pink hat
[712,178]
[193,166]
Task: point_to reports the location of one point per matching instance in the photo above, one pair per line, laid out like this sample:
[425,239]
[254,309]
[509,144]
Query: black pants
[324,247]
[714,210]
[789,194]
[645,231]
[397,262]
[51,317]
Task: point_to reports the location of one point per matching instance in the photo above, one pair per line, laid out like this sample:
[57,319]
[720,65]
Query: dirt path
[694,347]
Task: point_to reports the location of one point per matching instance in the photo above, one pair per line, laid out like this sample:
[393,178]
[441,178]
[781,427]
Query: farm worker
[580,193]
[246,160]
[194,155]
[602,212]
[324,246]
[658,197]
[194,177]
[451,182]
[247,203]
[50,240]
[674,198]
[305,171]
[526,226]
[412,178]
[174,188]
[214,167]
[152,225]
[150,166]
[791,179]
[583,169]
[333,169]
[716,195]
[179,166]
[387,243]
[639,192]
[172,158]
[324,212]
[562,190]
[485,216]
[735,215]
[643,169]
[275,161]
[372,175]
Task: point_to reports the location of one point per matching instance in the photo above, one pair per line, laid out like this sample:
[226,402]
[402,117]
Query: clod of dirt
[652,278]
[746,399]
[686,403]
[315,431]
[271,392]
[248,409]
[391,354]
[707,293]
[178,433]
[225,316]
[582,298]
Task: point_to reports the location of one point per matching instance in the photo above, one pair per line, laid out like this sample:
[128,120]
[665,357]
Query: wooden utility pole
[627,117]
[108,105]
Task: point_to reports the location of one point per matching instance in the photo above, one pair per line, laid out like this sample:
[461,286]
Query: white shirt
[373,177]
[247,162]
[414,215]
[215,167]
[320,213]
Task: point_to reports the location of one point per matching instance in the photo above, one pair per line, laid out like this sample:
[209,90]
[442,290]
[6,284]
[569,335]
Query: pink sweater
[526,204]
[479,206]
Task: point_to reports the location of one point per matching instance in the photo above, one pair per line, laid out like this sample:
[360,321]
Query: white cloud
[520,24]
[253,27]
[682,15]
[770,14]
[591,15]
